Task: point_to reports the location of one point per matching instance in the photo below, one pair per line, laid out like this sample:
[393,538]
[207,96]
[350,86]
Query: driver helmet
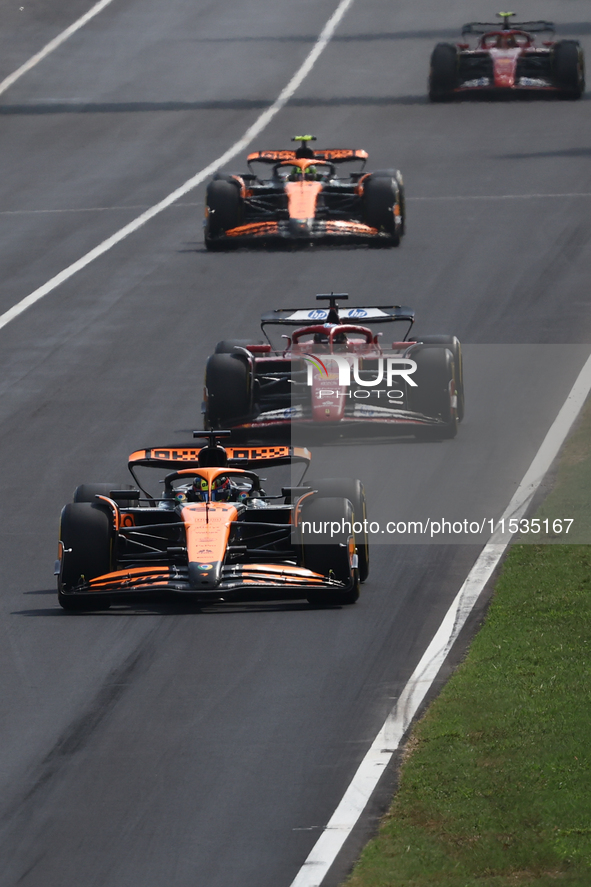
[200,490]
[506,41]
[295,174]
[222,490]
[322,338]
[311,174]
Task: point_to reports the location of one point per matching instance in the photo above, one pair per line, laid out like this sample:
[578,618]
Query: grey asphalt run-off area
[162,745]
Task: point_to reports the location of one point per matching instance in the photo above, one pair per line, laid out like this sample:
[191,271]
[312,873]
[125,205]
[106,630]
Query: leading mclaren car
[213,534]
[505,59]
[304,200]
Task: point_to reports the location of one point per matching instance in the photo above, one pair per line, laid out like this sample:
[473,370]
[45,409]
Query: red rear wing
[333,155]
[238,457]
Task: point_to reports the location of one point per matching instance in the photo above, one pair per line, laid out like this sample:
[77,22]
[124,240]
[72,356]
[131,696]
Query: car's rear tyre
[88,493]
[432,395]
[227,382]
[329,554]
[454,345]
[227,346]
[224,210]
[87,535]
[569,68]
[351,489]
[381,194]
[443,72]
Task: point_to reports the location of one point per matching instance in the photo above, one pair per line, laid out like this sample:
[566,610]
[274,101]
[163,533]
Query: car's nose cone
[204,575]
[300,227]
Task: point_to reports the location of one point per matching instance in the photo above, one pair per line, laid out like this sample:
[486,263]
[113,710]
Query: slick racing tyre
[351,489]
[224,210]
[227,382]
[453,343]
[87,536]
[569,68]
[329,554]
[443,72]
[397,176]
[433,394]
[89,492]
[380,197]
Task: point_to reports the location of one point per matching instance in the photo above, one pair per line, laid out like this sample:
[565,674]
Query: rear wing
[181,456]
[312,316]
[331,155]
[484,27]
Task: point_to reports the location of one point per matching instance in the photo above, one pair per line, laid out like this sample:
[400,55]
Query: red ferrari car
[335,372]
[505,59]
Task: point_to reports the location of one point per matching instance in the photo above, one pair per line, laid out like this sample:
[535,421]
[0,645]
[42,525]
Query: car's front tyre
[327,552]
[227,383]
[223,211]
[443,72]
[86,534]
[434,393]
[569,68]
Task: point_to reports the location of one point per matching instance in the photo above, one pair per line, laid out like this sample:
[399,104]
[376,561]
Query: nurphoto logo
[388,368]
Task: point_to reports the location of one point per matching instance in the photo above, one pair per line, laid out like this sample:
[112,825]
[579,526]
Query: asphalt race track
[157,746]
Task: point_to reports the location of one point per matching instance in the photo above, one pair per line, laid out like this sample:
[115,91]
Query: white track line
[387,741]
[503,196]
[53,44]
[258,126]
[87,209]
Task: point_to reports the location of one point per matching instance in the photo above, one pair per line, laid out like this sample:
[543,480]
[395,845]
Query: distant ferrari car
[304,200]
[507,58]
[213,534]
[333,372]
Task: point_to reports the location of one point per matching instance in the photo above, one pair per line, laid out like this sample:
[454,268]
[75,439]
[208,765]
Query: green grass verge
[571,496]
[495,786]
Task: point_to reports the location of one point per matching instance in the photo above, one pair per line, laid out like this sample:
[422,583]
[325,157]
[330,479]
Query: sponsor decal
[357,312]
[317,364]
[474,84]
[189,455]
[205,567]
[257,453]
[532,81]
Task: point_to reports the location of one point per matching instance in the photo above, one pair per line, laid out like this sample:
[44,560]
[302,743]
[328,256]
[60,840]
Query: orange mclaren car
[304,200]
[213,534]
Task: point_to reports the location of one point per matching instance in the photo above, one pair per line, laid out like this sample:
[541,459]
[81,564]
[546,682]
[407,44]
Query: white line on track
[53,44]
[503,196]
[88,209]
[388,740]
[257,127]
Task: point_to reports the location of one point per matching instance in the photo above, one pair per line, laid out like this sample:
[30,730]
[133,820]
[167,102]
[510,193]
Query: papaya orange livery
[211,533]
[300,195]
